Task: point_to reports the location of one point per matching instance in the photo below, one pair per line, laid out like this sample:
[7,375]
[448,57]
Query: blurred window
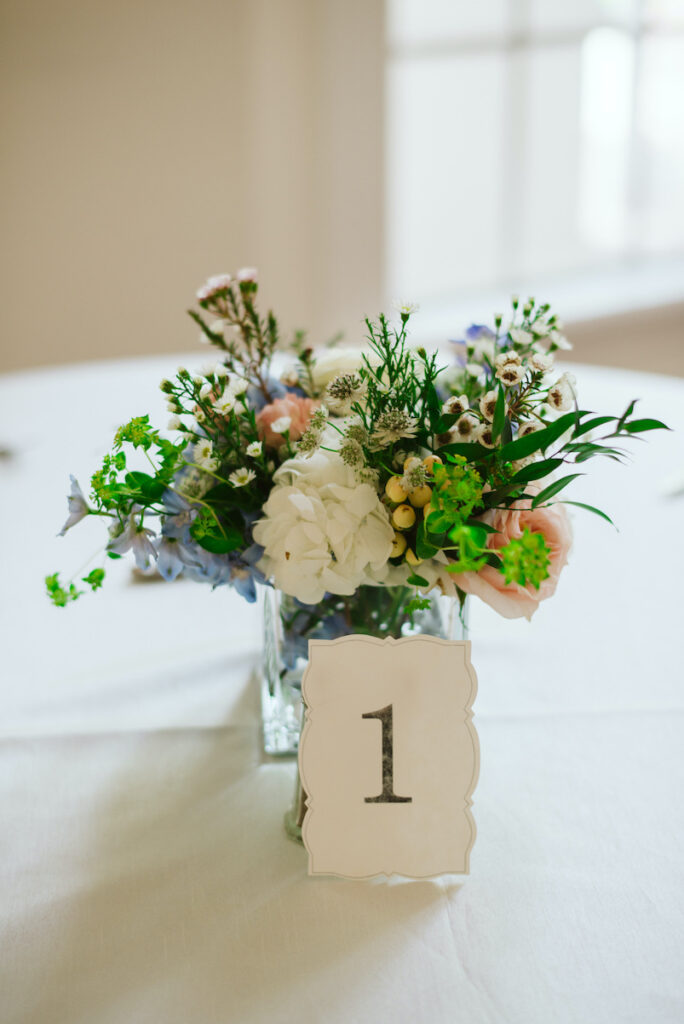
[531,139]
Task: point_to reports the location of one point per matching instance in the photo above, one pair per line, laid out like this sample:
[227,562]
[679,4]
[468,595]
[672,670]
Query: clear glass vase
[288,627]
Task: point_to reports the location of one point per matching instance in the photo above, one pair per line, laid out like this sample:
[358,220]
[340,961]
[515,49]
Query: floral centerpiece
[361,484]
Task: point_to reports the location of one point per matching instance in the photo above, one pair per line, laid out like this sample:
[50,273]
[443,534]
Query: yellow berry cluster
[408,504]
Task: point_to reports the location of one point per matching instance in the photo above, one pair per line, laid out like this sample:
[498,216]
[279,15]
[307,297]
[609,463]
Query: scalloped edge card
[389,757]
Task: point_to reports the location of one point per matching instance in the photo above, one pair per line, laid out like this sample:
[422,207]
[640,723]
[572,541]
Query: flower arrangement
[356,468]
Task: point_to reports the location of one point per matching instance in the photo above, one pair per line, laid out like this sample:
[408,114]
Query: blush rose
[512,600]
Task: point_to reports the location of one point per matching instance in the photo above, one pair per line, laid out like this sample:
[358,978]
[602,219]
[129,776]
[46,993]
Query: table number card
[389,757]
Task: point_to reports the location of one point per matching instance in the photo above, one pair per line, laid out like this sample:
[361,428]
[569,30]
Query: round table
[146,875]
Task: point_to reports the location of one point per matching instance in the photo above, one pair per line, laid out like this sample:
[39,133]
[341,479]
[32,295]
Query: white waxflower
[322,531]
[290,377]
[175,423]
[225,404]
[465,426]
[171,405]
[281,425]
[483,435]
[456,405]
[200,416]
[254,449]
[508,358]
[247,274]
[541,363]
[559,340]
[238,386]
[488,405]
[520,336]
[241,477]
[203,454]
[473,369]
[529,427]
[221,370]
[206,390]
[198,380]
[510,374]
[561,395]
[218,326]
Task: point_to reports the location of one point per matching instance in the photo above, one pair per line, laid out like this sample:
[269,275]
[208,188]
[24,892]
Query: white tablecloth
[145,874]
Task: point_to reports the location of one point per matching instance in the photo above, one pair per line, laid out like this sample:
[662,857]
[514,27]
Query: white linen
[145,873]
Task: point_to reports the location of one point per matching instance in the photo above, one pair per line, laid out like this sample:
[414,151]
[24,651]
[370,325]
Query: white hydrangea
[322,531]
[333,362]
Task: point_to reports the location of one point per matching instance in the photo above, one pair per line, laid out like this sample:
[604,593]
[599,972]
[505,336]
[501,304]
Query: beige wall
[150,143]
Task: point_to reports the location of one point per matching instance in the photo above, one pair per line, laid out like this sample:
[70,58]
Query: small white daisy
[241,477]
[225,404]
[203,454]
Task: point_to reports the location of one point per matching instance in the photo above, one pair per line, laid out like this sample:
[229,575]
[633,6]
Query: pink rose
[510,599]
[297,409]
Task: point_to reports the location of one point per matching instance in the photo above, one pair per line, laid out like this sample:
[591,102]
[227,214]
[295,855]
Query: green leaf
[536,470]
[540,439]
[149,487]
[554,488]
[423,547]
[597,421]
[417,581]
[627,413]
[636,426]
[589,508]
[220,545]
[470,451]
[499,414]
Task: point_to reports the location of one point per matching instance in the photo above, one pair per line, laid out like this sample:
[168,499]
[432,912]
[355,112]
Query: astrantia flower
[254,449]
[241,477]
[78,506]
[343,391]
[392,425]
[456,405]
[309,442]
[351,453]
[322,531]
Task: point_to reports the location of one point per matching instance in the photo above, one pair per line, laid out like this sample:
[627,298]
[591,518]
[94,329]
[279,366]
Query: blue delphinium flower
[132,536]
[78,506]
